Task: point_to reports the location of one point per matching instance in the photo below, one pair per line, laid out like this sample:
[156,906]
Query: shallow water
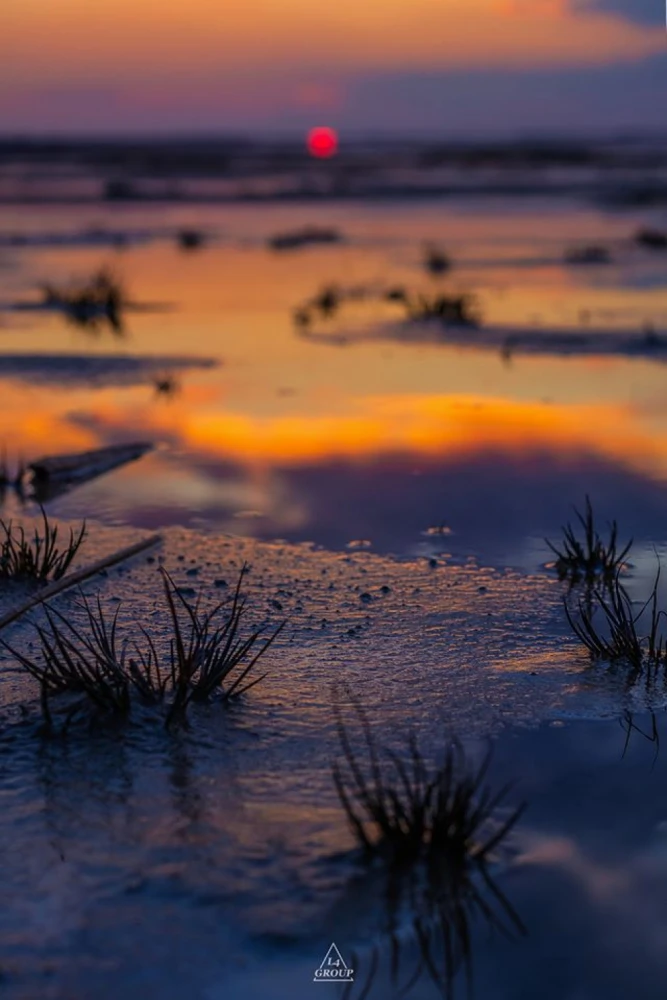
[391,490]
[369,440]
[215,861]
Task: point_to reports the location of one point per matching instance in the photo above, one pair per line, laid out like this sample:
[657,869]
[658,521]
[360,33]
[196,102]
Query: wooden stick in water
[79,576]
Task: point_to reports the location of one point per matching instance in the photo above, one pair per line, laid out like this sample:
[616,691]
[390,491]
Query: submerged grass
[37,559]
[434,829]
[209,655]
[589,559]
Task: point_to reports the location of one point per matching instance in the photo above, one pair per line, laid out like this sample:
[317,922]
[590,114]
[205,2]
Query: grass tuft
[451,310]
[407,811]
[206,658]
[436,829]
[100,299]
[622,640]
[210,654]
[589,559]
[190,239]
[39,559]
[436,260]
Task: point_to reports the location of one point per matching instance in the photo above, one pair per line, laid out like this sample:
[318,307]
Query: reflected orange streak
[430,427]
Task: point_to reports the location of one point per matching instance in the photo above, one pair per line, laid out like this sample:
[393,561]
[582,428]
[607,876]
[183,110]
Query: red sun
[322,142]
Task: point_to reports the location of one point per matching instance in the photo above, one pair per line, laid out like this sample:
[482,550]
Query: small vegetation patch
[434,829]
[589,559]
[612,631]
[191,239]
[37,559]
[447,309]
[435,260]
[209,654]
[450,310]
[99,300]
[404,810]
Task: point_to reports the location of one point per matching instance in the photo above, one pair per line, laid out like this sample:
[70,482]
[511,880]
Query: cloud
[591,100]
[641,11]
[273,63]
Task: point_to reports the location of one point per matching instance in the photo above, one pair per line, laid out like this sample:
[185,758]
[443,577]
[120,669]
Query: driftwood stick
[78,576]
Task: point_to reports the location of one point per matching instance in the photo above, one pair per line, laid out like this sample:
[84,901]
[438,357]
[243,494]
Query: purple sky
[501,67]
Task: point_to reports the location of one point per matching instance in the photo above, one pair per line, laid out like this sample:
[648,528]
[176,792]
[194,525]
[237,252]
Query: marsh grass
[434,829]
[404,810]
[89,664]
[210,654]
[166,384]
[37,559]
[206,658]
[652,735]
[435,260]
[190,239]
[589,558]
[450,310]
[622,639]
[100,299]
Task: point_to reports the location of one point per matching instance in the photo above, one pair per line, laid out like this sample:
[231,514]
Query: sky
[423,67]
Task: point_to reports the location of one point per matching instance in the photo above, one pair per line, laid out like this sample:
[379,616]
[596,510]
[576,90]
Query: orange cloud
[126,41]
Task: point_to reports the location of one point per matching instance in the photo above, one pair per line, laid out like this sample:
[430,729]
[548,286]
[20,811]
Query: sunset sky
[260,66]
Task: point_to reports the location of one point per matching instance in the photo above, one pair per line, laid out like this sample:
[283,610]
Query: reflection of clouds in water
[510,341]
[92,370]
[489,499]
[622,898]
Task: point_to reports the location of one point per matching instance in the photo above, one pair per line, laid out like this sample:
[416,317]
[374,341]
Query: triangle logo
[333,968]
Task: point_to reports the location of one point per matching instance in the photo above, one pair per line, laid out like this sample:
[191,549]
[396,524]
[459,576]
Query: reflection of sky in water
[374,441]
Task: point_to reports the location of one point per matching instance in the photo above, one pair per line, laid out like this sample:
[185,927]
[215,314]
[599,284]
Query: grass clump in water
[436,260]
[406,811]
[621,639]
[37,559]
[450,310]
[190,239]
[589,559]
[434,829]
[100,299]
[209,655]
